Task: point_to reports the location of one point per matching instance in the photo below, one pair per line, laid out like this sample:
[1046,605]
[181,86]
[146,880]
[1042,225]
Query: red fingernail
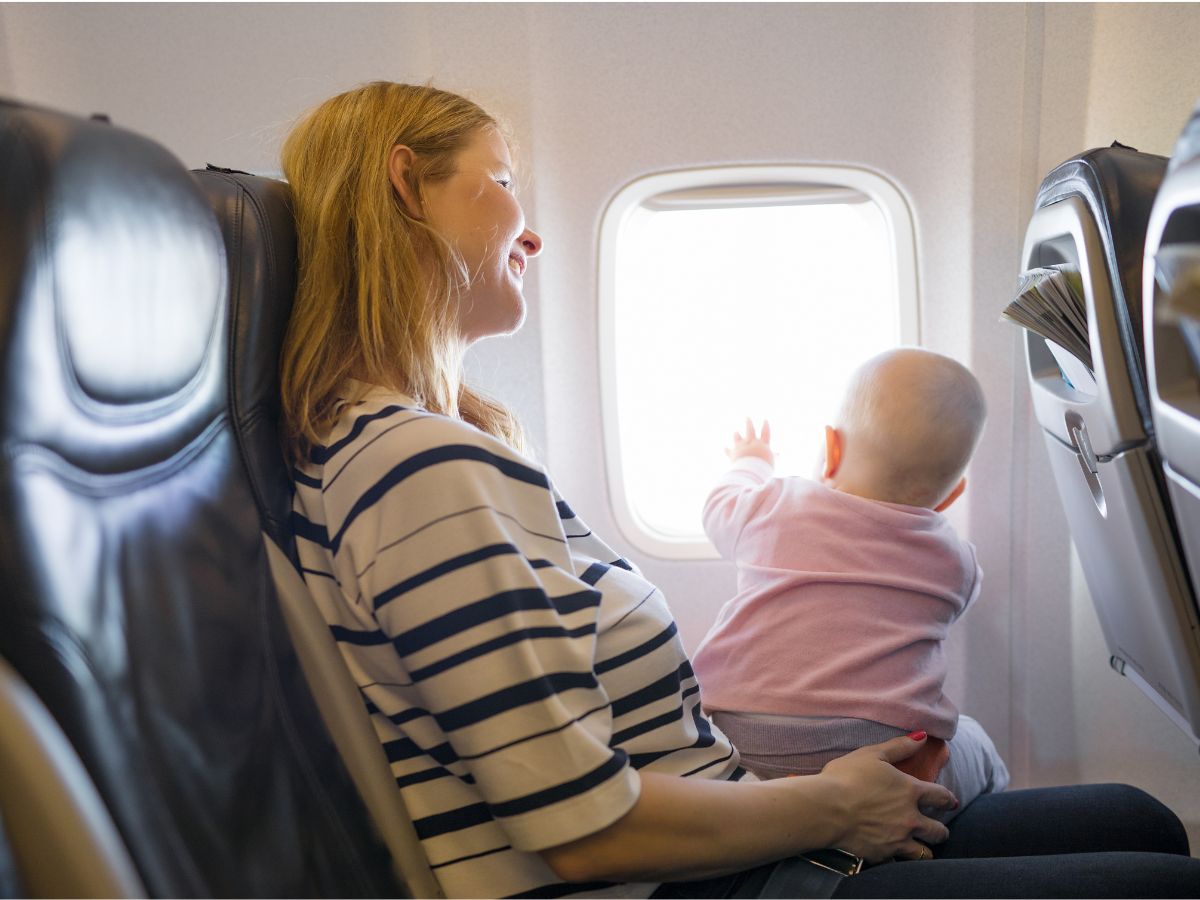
[917,735]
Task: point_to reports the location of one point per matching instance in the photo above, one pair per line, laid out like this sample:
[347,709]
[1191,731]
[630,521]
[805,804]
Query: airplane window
[726,293]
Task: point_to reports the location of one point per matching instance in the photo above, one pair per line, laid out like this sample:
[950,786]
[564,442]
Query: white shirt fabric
[518,672]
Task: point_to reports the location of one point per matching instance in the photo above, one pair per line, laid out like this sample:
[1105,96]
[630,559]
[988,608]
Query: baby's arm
[739,492]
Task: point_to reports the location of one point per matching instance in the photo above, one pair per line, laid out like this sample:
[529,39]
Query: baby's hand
[928,762]
[752,444]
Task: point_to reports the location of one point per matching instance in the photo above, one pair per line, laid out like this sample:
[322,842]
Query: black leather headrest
[255,215]
[115,357]
[1118,184]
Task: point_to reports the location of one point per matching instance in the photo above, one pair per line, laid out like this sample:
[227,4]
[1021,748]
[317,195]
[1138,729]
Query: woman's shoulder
[379,414]
[380,430]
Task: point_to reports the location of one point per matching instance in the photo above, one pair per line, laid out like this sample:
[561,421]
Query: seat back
[136,597]
[1092,212]
[60,840]
[10,880]
[256,221]
[1171,286]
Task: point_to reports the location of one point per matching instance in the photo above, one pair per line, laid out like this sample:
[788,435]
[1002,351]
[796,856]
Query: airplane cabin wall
[964,107]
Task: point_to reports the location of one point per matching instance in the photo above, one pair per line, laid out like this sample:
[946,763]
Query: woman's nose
[531,242]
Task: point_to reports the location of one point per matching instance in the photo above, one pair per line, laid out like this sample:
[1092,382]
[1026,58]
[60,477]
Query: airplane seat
[10,881]
[137,600]
[1171,285]
[257,224]
[56,837]
[1091,213]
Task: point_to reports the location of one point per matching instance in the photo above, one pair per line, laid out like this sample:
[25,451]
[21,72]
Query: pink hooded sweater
[842,603]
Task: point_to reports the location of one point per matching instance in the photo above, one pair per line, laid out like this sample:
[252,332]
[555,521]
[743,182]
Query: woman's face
[476,211]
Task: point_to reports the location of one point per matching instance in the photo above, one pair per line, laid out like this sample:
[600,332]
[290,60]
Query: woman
[528,686]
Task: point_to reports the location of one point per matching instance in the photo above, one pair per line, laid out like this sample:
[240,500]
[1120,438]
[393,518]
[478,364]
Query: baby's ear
[952,496]
[833,452]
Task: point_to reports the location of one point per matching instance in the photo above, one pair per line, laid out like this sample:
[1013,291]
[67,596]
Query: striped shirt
[517,671]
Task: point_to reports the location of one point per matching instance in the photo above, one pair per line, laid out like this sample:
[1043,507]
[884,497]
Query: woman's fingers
[901,748]
[935,796]
[914,850]
[930,831]
[765,434]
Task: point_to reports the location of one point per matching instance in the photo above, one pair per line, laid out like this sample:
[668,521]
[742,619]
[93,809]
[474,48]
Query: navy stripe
[572,603]
[703,726]
[537,734]
[541,564]
[513,697]
[322,455]
[305,479]
[621,564]
[459,620]
[444,568]
[434,457]
[649,725]
[309,530]
[564,889]
[560,792]
[462,859]
[737,775]
[593,574]
[454,820]
[437,772]
[358,638]
[705,740]
[504,640]
[377,436]
[408,715]
[640,650]
[557,538]
[319,574]
[406,748]
[564,511]
[666,686]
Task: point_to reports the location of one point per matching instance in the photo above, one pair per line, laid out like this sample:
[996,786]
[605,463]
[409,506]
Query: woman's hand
[752,444]
[686,828]
[881,805]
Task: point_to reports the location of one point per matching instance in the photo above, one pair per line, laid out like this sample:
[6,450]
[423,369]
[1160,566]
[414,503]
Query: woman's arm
[682,829]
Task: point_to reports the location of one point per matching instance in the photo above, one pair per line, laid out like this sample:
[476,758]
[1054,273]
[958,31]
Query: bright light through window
[720,309]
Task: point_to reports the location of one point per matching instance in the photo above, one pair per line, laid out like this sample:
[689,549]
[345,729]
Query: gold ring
[925,853]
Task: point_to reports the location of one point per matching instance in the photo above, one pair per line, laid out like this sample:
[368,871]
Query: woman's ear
[833,451]
[400,163]
[953,495]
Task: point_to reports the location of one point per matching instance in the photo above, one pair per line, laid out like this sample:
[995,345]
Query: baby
[847,586]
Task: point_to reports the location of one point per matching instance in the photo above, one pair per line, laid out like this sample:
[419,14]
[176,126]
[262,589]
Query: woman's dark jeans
[1099,840]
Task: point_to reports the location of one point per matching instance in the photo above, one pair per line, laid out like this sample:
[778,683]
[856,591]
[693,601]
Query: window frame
[753,178]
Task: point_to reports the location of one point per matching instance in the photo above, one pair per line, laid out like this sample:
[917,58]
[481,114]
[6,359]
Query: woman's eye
[504,183]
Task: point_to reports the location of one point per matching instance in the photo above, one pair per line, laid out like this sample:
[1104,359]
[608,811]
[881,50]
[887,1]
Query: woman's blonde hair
[377,293]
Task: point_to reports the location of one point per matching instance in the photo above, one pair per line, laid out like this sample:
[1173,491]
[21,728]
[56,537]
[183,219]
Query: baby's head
[906,430]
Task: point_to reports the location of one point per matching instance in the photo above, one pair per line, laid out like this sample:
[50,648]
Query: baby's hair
[912,418]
